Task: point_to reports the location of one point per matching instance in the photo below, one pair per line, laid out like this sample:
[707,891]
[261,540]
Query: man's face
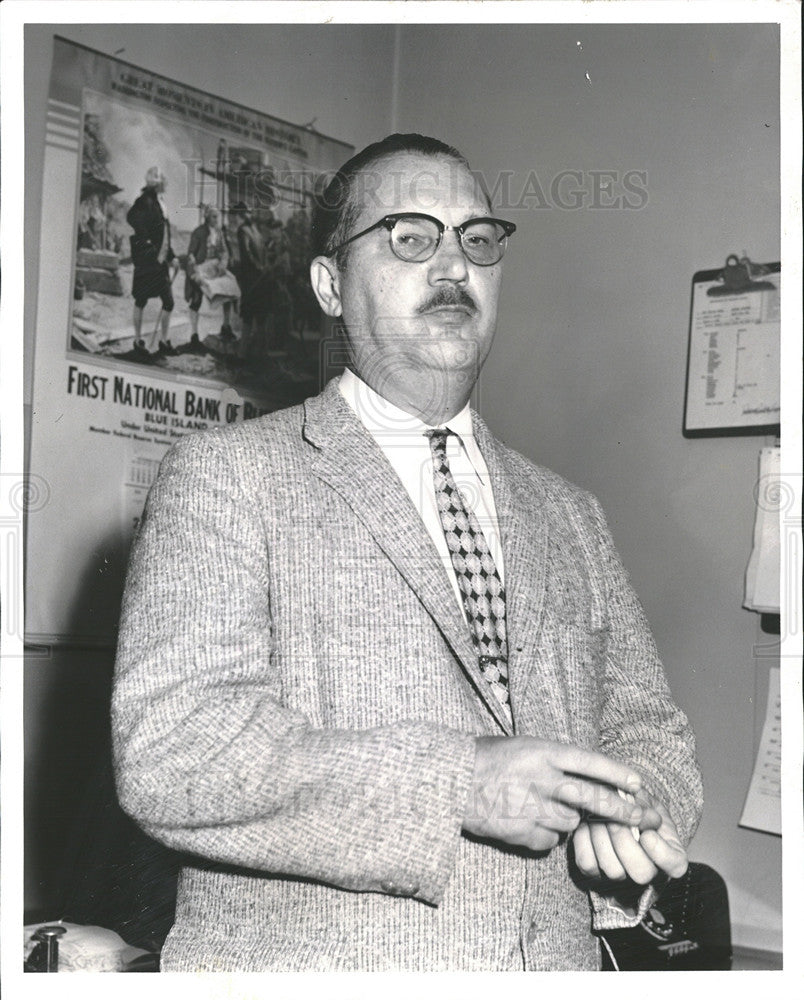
[421,323]
[213,218]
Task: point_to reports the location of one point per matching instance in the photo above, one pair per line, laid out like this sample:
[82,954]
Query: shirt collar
[388,423]
[379,416]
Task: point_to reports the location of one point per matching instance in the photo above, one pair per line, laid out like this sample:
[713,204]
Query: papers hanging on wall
[733,362]
[763,804]
[762,574]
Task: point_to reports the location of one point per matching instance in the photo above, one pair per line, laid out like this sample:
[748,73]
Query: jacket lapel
[536,689]
[349,461]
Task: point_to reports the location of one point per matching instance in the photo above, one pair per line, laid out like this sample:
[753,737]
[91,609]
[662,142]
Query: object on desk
[763,804]
[45,954]
[733,357]
[149,962]
[82,949]
[762,574]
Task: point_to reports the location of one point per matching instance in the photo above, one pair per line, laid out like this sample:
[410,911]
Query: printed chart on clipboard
[733,361]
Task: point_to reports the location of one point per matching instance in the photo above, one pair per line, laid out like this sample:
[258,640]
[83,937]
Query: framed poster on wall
[142,338]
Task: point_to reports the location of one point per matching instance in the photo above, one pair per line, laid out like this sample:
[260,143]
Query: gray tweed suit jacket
[296,697]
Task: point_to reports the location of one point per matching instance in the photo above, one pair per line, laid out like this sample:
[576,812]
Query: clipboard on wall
[734,351]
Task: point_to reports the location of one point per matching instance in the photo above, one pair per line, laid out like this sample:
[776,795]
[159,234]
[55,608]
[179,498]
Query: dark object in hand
[687,928]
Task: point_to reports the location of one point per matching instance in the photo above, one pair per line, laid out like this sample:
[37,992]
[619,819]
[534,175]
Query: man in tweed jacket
[299,704]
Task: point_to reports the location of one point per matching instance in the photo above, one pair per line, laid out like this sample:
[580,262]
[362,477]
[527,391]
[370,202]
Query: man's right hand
[528,792]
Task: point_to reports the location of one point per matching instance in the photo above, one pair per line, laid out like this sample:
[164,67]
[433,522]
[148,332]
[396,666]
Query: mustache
[448,296]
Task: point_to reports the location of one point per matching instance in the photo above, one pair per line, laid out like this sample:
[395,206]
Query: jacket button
[389,887]
[533,932]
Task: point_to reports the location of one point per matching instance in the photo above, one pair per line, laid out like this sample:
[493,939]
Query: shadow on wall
[89,862]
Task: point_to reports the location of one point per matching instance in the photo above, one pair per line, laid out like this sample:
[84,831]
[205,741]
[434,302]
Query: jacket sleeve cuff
[610,913]
[433,838]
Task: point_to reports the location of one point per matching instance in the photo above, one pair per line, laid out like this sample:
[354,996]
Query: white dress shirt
[401,436]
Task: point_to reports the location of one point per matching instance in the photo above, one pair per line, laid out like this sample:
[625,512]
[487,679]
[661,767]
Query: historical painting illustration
[192,251]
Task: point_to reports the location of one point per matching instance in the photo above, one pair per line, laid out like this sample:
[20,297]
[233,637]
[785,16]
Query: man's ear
[325,279]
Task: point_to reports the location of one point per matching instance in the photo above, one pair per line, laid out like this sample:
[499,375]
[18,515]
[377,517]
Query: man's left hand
[608,850]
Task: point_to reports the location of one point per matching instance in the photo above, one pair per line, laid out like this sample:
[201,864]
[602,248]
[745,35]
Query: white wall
[587,374]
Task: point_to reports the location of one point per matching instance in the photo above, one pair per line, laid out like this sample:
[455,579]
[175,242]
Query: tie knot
[438,441]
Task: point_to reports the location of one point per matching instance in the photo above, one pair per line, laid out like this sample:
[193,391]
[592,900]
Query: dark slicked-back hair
[339,204]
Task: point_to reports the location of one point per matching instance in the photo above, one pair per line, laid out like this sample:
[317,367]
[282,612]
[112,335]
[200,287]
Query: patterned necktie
[478,579]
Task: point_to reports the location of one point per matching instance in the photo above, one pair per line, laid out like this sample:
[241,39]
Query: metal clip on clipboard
[738,276]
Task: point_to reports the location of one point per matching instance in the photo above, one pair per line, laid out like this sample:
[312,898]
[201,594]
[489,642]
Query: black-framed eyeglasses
[415,237]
